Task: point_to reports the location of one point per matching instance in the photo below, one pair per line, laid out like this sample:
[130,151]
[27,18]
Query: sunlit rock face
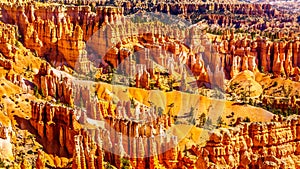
[63,35]
[5,139]
[58,32]
[80,122]
[273,144]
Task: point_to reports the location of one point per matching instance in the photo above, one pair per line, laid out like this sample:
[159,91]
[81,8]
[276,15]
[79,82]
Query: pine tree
[220,121]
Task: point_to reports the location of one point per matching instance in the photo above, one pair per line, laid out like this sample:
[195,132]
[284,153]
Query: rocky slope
[91,124]
[253,145]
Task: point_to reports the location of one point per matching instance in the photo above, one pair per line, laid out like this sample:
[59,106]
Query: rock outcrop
[50,84]
[57,32]
[6,148]
[55,124]
[189,8]
[133,136]
[107,35]
[8,41]
[253,145]
[280,58]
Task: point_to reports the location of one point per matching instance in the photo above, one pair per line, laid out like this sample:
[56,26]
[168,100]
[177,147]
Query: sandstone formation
[126,135]
[5,139]
[109,34]
[79,125]
[50,84]
[253,145]
[61,34]
[55,124]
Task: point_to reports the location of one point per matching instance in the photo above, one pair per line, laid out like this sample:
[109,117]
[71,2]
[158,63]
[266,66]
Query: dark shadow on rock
[52,147]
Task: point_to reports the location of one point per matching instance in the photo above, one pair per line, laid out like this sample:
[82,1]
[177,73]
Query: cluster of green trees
[285,110]
[244,95]
[215,31]
[125,164]
[206,122]
[2,164]
[38,93]
[108,77]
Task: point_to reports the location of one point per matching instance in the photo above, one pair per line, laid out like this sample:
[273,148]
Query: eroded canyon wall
[253,145]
